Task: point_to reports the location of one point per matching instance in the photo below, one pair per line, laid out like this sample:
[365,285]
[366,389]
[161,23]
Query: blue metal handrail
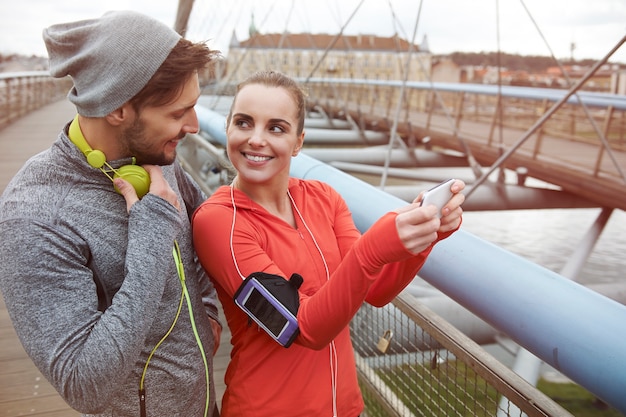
[589,98]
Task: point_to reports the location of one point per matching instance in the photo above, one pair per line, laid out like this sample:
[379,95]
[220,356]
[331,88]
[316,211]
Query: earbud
[136,175]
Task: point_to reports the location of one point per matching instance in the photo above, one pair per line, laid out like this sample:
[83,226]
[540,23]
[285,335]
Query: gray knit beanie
[110,59]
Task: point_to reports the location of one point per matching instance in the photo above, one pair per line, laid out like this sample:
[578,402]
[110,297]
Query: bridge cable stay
[221,24]
[356,126]
[247,50]
[405,75]
[310,39]
[208,18]
[318,63]
[287,20]
[472,162]
[470,158]
[601,135]
[499,104]
[544,117]
[403,35]
[203,27]
[332,43]
[348,46]
[397,25]
[182,16]
[240,61]
[526,364]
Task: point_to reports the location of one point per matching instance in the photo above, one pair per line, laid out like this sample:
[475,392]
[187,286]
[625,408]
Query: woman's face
[262,134]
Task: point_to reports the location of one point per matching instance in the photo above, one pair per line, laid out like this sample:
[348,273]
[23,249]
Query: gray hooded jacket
[92,289]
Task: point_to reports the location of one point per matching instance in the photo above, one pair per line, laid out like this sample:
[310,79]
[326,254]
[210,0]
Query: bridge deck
[23,390]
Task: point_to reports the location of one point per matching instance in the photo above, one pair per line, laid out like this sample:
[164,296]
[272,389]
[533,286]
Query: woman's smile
[256,158]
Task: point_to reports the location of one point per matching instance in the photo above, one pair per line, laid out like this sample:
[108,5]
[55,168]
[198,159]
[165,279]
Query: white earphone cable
[332,347]
[232,231]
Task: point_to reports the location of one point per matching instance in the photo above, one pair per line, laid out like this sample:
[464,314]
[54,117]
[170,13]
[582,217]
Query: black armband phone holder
[272,302]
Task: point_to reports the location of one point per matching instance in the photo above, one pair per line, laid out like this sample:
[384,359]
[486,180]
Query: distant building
[601,80]
[19,63]
[327,56]
[446,70]
[618,82]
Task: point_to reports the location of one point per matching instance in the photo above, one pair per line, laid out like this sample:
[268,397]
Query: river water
[549,237]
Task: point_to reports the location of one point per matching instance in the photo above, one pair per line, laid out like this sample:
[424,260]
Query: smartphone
[439,195]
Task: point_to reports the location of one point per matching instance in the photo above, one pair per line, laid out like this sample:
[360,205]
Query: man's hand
[217,334]
[158,186]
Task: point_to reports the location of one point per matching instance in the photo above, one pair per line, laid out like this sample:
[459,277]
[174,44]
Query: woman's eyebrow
[278,120]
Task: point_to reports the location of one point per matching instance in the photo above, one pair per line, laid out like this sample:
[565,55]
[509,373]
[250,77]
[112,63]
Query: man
[101,281]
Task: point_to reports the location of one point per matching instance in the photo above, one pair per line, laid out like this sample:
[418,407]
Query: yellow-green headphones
[136,175]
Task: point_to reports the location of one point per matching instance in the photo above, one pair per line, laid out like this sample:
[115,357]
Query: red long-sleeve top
[264,378]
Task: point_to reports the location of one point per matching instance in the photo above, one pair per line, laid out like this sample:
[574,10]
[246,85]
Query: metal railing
[432,369]
[504,126]
[480,113]
[23,92]
[449,105]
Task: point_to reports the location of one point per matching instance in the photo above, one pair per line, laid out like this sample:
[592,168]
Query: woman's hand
[418,226]
[452,211]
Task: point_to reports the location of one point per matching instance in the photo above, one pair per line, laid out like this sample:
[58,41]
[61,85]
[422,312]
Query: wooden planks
[23,390]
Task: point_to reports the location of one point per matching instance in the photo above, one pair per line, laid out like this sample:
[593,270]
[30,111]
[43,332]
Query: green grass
[576,400]
[452,389]
[448,389]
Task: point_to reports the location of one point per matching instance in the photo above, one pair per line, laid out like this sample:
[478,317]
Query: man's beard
[140,147]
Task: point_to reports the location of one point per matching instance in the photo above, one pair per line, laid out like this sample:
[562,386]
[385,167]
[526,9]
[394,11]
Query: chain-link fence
[411,362]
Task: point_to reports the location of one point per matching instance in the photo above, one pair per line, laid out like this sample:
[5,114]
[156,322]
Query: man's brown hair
[185,59]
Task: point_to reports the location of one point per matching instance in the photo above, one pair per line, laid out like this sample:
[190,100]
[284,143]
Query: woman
[268,222]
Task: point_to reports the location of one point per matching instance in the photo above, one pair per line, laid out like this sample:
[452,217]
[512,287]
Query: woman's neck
[275,200]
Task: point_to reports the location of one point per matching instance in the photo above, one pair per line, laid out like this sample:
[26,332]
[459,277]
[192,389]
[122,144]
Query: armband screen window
[265,312]
[272,302]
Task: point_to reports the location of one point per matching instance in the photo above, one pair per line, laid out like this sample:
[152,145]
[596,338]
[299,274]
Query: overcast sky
[527,27]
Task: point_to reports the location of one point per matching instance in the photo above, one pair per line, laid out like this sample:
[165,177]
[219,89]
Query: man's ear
[120,115]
